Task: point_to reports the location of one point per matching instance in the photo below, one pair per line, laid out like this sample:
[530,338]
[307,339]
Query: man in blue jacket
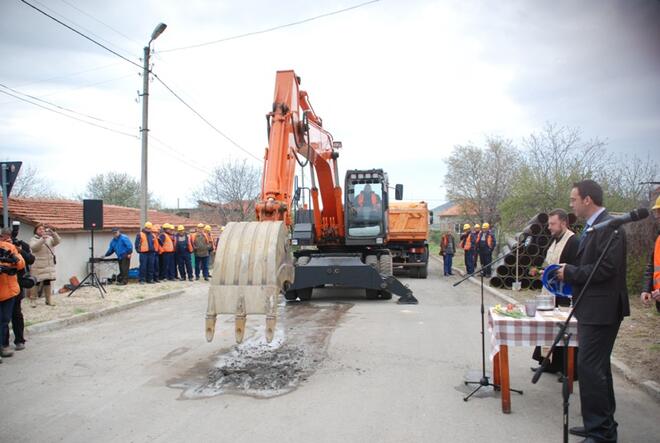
[121,245]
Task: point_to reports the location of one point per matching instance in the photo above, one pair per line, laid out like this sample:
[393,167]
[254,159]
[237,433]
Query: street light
[144,192]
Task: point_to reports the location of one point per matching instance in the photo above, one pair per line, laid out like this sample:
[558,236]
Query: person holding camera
[42,244]
[25,281]
[11,262]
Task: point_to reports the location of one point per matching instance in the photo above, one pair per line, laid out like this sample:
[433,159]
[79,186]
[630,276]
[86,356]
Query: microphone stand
[565,337]
[484,381]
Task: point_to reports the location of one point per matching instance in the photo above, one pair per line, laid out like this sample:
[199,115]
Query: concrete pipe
[502,270]
[537,285]
[524,260]
[496,282]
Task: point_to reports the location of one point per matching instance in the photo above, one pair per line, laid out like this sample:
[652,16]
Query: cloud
[399,83]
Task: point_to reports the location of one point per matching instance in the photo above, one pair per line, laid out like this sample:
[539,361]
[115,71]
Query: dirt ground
[88,299]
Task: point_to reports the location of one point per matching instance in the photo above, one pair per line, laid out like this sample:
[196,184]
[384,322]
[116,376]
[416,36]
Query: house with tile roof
[66,217]
[451,216]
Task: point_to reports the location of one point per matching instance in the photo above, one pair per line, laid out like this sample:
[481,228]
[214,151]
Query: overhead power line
[69,116]
[81,34]
[274,28]
[100,21]
[226,137]
[63,108]
[178,154]
[178,97]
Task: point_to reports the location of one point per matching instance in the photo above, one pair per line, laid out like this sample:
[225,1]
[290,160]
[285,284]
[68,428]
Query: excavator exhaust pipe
[252,267]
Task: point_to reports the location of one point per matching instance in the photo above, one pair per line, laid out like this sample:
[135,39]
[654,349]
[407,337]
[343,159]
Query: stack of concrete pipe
[531,245]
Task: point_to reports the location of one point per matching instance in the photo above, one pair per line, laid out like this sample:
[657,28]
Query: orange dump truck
[408,237]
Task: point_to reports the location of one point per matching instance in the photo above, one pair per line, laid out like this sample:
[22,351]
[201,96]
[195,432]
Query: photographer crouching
[11,262]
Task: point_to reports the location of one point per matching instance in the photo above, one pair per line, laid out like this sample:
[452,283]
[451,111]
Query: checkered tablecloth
[527,331]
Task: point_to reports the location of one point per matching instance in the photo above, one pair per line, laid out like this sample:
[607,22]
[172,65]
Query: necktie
[583,235]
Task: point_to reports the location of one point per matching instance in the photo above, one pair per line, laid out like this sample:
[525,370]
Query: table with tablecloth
[539,330]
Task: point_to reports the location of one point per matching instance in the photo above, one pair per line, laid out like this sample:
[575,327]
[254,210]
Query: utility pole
[144,189]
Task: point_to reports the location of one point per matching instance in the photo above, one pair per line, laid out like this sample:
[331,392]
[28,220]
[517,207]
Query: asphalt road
[347,369]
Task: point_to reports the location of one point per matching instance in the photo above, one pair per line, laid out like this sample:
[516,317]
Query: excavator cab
[366,200]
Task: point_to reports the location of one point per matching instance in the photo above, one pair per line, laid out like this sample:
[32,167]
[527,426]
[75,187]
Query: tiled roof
[67,215]
[453,210]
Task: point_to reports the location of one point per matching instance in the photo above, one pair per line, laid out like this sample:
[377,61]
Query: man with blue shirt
[122,247]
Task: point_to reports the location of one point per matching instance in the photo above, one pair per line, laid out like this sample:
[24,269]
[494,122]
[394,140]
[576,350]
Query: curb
[53,325]
[649,386]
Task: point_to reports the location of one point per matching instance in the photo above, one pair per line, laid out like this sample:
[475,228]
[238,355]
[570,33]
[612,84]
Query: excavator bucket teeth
[252,267]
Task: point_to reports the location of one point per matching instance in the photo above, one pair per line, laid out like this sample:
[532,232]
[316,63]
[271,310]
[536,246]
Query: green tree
[551,161]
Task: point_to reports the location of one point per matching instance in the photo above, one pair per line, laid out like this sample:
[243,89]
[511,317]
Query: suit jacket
[606,299]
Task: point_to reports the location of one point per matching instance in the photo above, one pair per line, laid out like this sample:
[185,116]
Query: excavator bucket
[252,268]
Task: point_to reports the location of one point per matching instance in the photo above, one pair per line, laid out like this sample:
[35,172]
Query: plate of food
[509,310]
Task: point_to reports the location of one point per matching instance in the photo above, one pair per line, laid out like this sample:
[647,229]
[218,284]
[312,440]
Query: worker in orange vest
[367,198]
[651,289]
[183,249]
[485,246]
[146,246]
[155,230]
[167,267]
[469,246]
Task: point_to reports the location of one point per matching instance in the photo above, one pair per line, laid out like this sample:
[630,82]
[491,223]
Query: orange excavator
[339,236]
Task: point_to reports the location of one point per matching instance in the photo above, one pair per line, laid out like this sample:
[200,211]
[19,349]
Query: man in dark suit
[599,313]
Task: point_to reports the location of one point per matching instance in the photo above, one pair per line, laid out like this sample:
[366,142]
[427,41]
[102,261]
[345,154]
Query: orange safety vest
[9,283]
[156,243]
[466,243]
[144,243]
[360,199]
[489,238]
[656,264]
[168,245]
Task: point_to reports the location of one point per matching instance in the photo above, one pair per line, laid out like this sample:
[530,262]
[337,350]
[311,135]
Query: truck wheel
[423,272]
[372,294]
[385,265]
[384,295]
[290,295]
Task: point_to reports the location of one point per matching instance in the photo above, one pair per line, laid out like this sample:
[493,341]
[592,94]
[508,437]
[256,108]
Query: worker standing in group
[202,247]
[166,242]
[467,244]
[212,245]
[447,250]
[485,247]
[183,249]
[651,285]
[157,264]
[145,245]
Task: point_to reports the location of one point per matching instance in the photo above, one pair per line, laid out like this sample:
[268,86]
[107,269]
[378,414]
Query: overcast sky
[398,82]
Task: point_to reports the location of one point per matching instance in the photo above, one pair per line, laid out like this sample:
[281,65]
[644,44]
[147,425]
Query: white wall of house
[73,254]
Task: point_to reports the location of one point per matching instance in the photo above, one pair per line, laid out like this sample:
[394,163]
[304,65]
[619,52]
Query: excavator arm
[296,134]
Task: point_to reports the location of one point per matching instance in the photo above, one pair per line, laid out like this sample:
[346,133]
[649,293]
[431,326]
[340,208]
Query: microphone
[615,222]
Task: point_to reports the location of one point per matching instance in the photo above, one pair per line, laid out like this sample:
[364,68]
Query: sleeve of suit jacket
[613,262]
